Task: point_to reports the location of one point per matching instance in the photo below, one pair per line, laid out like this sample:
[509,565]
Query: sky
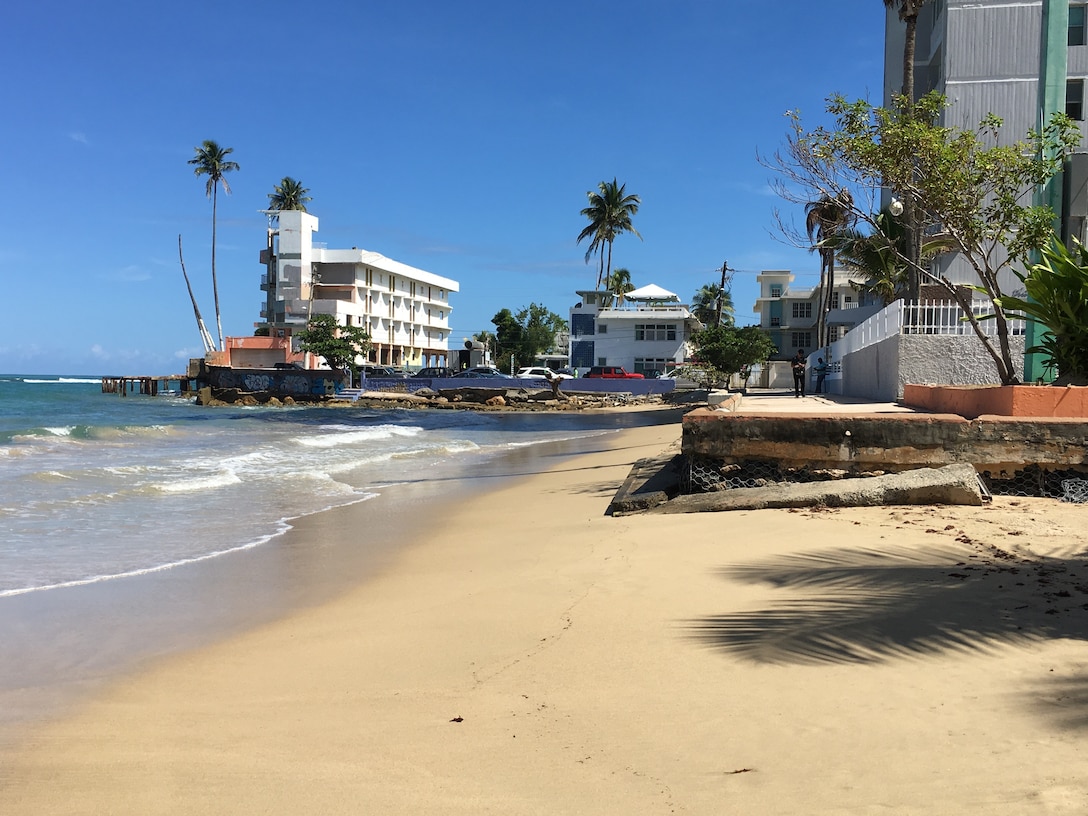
[457,137]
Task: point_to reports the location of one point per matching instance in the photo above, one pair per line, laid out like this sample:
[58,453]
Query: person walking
[821,372]
[798,364]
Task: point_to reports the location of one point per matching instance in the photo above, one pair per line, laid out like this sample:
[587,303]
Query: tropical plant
[824,218]
[908,13]
[1057,298]
[609,213]
[974,191]
[289,194]
[211,161]
[713,305]
[337,345]
[618,285]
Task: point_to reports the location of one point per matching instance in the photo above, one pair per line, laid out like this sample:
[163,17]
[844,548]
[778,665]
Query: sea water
[96,487]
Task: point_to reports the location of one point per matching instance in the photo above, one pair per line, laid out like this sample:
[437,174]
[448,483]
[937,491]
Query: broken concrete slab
[651,482]
[952,484]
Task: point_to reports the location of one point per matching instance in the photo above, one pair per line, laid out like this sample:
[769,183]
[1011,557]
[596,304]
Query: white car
[540,373]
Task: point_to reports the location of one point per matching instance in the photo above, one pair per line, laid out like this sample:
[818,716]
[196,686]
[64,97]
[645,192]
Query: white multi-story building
[789,316]
[646,333]
[405,310]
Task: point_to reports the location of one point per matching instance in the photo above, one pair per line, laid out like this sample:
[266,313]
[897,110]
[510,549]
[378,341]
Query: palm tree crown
[289,194]
[211,161]
[609,213]
[825,218]
[705,305]
[618,285]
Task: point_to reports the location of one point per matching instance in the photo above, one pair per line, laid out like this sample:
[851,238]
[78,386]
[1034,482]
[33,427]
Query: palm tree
[609,213]
[713,305]
[908,13]
[211,161]
[618,285]
[877,255]
[289,194]
[823,220]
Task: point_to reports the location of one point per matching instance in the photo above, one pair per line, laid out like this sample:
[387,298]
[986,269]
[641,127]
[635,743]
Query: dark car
[484,372]
[379,371]
[291,366]
[434,373]
[612,373]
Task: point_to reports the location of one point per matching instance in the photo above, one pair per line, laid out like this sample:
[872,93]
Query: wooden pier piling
[149,386]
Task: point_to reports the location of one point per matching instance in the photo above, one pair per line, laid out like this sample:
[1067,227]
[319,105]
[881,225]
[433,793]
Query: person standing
[798,364]
[821,371]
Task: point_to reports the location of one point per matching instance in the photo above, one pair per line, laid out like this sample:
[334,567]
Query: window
[602,328]
[834,300]
[655,331]
[602,361]
[1076,25]
[776,321]
[802,310]
[1074,99]
[776,290]
[801,340]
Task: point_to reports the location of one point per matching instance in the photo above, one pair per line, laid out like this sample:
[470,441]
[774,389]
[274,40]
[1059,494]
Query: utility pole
[727,276]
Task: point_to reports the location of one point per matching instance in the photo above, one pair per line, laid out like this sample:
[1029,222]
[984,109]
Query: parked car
[291,366]
[434,373]
[540,373]
[482,372]
[380,371]
[612,373]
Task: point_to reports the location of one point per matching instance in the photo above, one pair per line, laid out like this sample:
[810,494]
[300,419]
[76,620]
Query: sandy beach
[530,654]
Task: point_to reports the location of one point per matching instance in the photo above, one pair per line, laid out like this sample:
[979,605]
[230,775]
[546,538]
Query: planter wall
[999,400]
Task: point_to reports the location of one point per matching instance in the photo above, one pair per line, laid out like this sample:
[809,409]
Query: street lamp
[896,207]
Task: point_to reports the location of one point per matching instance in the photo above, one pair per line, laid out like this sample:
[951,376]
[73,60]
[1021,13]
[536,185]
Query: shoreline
[541,657]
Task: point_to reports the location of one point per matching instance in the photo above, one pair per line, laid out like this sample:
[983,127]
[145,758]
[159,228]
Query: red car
[612,373]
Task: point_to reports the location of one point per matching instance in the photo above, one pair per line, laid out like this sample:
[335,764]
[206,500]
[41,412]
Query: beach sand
[532,655]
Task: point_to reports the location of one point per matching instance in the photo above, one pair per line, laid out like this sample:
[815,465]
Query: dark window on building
[1076,25]
[1074,99]
[581,325]
[802,310]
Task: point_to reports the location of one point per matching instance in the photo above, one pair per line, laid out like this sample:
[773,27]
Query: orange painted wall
[999,400]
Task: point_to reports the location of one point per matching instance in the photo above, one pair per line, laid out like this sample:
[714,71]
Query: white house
[646,332]
[405,310]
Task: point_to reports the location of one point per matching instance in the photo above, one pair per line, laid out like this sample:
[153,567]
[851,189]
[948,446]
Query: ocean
[133,526]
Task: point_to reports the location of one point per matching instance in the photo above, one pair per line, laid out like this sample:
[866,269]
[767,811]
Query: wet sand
[530,654]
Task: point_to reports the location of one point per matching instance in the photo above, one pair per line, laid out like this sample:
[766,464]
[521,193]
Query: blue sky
[458,137]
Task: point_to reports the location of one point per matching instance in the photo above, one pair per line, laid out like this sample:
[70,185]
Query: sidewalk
[782,401]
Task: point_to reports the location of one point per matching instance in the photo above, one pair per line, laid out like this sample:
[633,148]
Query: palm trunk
[215,284]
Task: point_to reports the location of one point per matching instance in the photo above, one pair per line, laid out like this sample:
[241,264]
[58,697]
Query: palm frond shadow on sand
[868,606]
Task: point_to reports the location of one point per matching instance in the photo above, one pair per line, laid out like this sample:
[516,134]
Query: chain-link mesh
[705,475]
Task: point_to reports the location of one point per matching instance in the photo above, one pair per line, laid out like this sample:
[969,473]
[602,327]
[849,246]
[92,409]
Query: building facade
[789,316]
[645,336]
[986,56]
[406,311]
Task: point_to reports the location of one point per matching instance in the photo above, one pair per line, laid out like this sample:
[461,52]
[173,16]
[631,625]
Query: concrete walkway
[782,401]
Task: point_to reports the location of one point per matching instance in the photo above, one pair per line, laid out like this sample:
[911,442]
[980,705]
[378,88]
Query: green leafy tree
[972,191]
[524,335]
[726,350]
[609,212]
[713,304]
[289,194]
[1057,289]
[337,345]
[211,161]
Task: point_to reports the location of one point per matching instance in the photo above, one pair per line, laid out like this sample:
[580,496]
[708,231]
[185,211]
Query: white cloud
[77,136]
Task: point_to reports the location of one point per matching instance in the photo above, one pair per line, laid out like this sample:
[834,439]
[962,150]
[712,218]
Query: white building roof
[651,292]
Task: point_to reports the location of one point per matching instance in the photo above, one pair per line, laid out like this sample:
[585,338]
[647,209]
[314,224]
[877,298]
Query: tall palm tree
[618,285]
[211,161]
[713,305]
[609,213]
[289,194]
[877,255]
[908,13]
[823,219]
